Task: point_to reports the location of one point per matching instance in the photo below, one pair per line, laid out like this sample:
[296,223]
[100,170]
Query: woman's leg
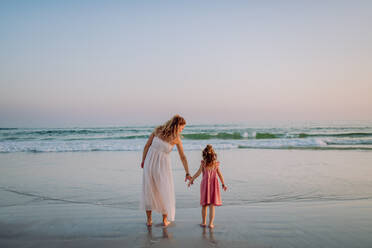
[149,218]
[204,215]
[165,220]
[211,215]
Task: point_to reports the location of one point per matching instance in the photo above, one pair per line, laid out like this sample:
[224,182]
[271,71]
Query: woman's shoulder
[154,133]
[158,135]
[177,140]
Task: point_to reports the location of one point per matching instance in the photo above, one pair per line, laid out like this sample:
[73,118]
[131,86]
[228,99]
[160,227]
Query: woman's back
[161,145]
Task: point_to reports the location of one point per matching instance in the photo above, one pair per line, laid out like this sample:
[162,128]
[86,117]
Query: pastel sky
[71,63]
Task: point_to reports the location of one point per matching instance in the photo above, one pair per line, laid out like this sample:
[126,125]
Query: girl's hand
[224,187]
[191,182]
[143,162]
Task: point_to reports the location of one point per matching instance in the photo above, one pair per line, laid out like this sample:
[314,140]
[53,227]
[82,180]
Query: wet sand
[91,200]
[259,225]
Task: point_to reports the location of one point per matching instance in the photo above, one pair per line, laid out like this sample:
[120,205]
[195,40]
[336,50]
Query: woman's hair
[169,130]
[209,155]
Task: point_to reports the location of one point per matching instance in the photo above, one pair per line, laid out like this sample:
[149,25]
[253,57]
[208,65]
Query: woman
[157,182]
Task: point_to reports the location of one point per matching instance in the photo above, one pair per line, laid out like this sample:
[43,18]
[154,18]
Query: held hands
[188,177]
[191,182]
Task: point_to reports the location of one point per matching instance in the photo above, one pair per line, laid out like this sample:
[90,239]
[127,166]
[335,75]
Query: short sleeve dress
[209,187]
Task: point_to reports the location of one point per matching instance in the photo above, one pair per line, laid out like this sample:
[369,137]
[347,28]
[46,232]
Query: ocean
[318,136]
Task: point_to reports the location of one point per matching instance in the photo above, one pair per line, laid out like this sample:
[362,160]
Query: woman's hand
[188,177]
[143,162]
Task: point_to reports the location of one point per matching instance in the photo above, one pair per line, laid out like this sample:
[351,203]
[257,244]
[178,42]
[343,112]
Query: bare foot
[166,223]
[203,225]
[211,226]
[149,222]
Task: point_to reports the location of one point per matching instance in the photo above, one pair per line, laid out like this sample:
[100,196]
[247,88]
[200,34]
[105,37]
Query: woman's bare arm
[183,158]
[196,174]
[146,148]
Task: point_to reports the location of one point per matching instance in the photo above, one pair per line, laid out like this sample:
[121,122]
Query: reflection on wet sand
[210,237]
[151,238]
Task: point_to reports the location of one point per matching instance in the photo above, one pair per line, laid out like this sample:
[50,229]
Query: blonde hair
[209,155]
[169,130]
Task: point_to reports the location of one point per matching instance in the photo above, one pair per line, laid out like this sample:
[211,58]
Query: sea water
[321,136]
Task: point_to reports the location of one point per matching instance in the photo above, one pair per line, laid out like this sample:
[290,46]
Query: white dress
[157,180]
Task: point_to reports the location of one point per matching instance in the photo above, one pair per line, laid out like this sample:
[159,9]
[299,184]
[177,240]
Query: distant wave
[59,132]
[81,149]
[307,147]
[340,135]
[75,138]
[189,136]
[231,136]
[206,136]
[268,135]
[349,142]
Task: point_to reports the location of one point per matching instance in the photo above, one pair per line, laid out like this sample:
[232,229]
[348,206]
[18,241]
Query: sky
[99,63]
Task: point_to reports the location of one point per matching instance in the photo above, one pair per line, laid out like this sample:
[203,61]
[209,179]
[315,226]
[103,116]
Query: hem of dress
[159,212]
[217,205]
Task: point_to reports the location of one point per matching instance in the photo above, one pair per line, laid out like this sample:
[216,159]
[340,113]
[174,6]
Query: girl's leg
[149,219]
[211,215]
[165,220]
[204,215]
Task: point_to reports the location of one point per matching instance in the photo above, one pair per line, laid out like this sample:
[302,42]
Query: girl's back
[209,187]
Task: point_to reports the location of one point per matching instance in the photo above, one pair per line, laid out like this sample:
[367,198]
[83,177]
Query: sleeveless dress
[157,180]
[209,187]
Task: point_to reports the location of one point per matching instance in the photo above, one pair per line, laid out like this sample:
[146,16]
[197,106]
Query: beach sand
[273,225]
[91,200]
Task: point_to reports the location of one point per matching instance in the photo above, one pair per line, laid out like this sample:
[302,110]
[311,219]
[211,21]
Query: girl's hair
[209,155]
[169,130]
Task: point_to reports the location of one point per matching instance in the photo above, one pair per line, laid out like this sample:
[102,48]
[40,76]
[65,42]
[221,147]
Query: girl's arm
[196,175]
[146,148]
[221,178]
[178,142]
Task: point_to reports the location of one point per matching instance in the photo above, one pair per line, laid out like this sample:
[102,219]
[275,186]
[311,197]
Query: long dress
[209,187]
[157,180]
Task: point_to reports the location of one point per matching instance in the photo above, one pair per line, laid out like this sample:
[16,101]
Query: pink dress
[209,187]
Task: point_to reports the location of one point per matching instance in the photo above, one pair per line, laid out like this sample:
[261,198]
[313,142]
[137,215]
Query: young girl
[209,187]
